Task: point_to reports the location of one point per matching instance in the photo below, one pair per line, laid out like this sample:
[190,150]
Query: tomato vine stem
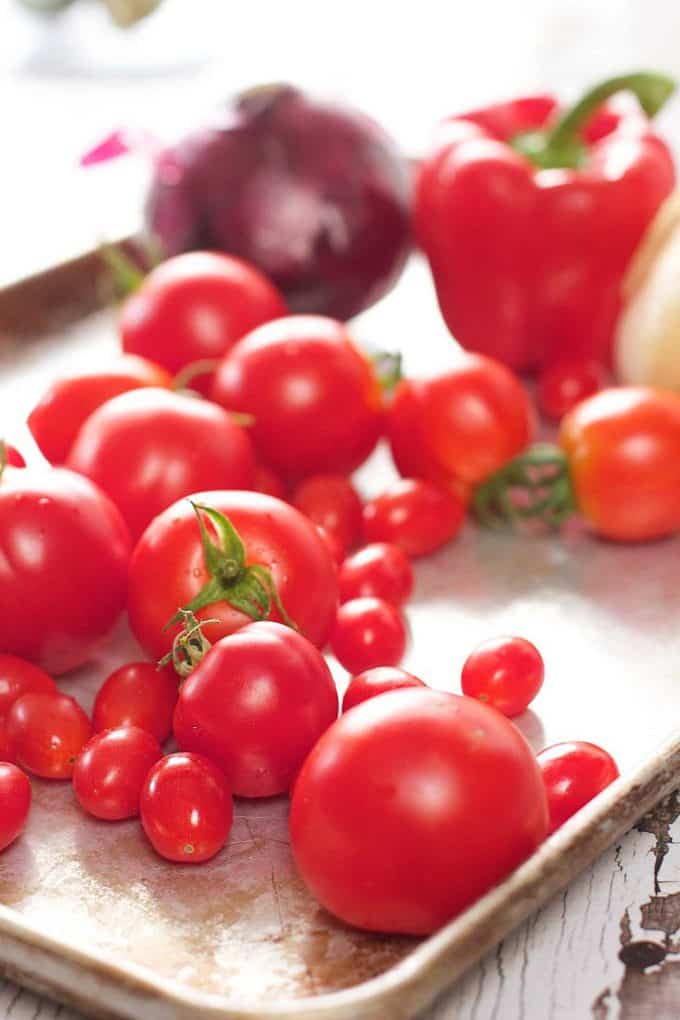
[536,485]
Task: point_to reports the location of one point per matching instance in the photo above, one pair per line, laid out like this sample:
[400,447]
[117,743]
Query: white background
[66,82]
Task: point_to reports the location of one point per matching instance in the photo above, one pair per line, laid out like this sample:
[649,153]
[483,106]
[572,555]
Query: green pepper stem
[651,89]
[563,146]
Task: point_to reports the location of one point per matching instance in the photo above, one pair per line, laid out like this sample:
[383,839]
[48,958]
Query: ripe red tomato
[332,503]
[564,384]
[111,769]
[623,451]
[380,570]
[448,784]
[15,803]
[147,448]
[373,682]
[6,750]
[505,672]
[574,772]
[168,569]
[460,426]
[256,705]
[56,419]
[268,482]
[64,552]
[137,694]
[415,515]
[12,456]
[315,398]
[17,677]
[186,808]
[335,546]
[196,306]
[368,632]
[46,733]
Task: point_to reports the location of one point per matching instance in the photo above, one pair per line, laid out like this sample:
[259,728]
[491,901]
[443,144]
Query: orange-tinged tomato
[458,428]
[55,421]
[623,448]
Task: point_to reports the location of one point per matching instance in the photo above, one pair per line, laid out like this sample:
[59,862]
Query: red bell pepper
[529,218]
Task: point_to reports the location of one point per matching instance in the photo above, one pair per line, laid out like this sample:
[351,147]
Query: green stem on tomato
[3,457]
[182,384]
[250,589]
[126,275]
[189,646]
[186,375]
[534,486]
[562,146]
[387,366]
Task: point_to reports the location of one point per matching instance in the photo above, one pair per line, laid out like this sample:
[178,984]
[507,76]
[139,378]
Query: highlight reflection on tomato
[408,771]
[63,568]
[186,808]
[168,569]
[256,705]
[314,397]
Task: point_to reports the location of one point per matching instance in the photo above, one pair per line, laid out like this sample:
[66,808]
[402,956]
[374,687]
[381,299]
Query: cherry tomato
[380,570]
[447,784]
[46,733]
[256,705]
[111,769]
[186,808]
[623,450]
[332,503]
[373,682]
[335,546]
[168,569]
[56,420]
[574,772]
[149,447]
[64,552]
[268,481]
[6,750]
[368,632]
[462,425]
[565,383]
[15,803]
[137,694]
[17,677]
[315,398]
[196,306]
[415,515]
[13,457]
[505,672]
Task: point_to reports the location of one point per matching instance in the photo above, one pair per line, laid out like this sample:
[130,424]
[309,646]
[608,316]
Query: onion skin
[315,195]
[647,347]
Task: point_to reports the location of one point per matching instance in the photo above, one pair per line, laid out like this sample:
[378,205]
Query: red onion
[315,195]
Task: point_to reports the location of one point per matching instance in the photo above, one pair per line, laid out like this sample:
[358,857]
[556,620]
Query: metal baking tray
[91,916]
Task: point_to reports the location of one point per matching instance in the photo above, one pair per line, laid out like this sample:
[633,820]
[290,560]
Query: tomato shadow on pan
[246,911]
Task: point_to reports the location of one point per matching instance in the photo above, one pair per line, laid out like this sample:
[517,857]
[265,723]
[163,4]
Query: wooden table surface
[609,947]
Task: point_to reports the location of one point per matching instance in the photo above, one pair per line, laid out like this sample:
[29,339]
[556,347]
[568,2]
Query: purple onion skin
[315,195]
